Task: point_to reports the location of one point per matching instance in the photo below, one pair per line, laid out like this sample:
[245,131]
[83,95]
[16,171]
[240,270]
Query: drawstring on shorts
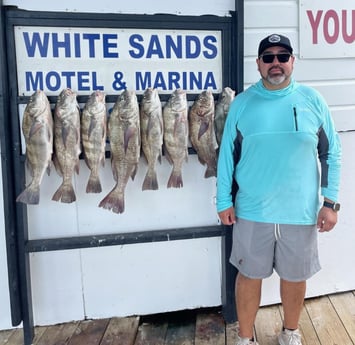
[277,231]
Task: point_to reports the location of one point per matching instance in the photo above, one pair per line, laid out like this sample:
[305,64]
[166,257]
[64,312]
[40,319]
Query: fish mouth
[99,95]
[68,91]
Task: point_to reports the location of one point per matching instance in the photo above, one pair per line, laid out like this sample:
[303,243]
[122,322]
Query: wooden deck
[326,320]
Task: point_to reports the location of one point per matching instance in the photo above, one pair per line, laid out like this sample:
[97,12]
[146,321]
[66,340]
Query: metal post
[229,272]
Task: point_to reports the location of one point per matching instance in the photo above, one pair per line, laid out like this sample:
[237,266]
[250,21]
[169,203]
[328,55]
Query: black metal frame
[18,244]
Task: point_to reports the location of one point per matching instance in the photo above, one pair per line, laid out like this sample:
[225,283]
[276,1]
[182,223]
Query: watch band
[333,205]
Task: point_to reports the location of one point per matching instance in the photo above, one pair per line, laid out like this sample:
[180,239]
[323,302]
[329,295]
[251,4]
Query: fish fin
[210,171]
[114,170]
[134,172]
[203,129]
[77,167]
[201,160]
[57,166]
[92,125]
[143,154]
[175,180]
[48,169]
[94,184]
[36,126]
[128,134]
[65,134]
[150,181]
[30,195]
[113,202]
[166,153]
[65,193]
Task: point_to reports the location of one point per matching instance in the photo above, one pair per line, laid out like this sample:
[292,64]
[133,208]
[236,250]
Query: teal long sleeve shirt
[283,151]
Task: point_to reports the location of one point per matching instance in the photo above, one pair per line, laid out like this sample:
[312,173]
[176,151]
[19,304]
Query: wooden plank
[89,332]
[309,335]
[152,331]
[5,336]
[210,329]
[232,330]
[268,325]
[344,305]
[57,334]
[121,331]
[326,322]
[39,331]
[15,338]
[181,329]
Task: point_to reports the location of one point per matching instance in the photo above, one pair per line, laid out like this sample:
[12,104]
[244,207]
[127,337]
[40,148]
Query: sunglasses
[269,58]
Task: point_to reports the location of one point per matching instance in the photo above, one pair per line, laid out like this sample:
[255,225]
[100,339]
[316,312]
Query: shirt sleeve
[329,153]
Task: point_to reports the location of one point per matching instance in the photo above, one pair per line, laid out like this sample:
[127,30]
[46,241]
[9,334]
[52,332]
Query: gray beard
[276,80]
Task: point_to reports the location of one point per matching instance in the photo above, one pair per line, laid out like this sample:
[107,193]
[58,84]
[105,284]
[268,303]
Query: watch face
[336,207]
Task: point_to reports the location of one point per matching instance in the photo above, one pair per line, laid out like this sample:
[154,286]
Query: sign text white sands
[111,59]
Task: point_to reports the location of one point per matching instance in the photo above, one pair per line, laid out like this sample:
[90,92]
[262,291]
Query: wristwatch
[333,205]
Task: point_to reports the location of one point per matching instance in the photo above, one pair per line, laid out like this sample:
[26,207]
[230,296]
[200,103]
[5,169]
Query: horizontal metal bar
[79,242]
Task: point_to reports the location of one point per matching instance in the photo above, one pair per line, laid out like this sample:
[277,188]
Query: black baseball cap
[275,40]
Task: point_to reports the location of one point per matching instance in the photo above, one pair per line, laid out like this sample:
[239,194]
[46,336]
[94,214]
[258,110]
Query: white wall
[158,277]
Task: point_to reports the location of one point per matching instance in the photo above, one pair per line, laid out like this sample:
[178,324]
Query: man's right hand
[227,216]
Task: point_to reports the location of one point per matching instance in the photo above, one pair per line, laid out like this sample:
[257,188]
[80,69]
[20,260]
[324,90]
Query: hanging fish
[221,110]
[66,144]
[202,136]
[37,128]
[124,135]
[93,137]
[176,132]
[151,122]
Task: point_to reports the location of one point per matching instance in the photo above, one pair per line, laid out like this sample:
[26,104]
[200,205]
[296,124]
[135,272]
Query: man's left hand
[327,218]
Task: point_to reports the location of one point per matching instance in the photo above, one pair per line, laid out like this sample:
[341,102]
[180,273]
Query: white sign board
[327,28]
[111,59]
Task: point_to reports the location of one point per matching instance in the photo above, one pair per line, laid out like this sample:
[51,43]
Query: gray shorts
[259,248]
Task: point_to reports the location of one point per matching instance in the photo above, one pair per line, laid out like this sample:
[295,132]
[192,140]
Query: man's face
[275,74]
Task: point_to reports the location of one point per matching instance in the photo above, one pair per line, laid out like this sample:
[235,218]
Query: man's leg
[248,294]
[292,297]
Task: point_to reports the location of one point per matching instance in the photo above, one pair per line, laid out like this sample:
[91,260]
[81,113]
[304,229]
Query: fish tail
[150,182]
[175,180]
[113,202]
[210,171]
[65,193]
[94,184]
[30,195]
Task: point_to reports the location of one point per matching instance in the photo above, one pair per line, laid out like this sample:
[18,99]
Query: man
[280,147]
